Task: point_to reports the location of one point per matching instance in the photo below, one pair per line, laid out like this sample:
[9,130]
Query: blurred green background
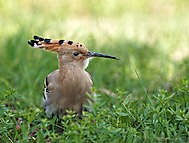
[150,37]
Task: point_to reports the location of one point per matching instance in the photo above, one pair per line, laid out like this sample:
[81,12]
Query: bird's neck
[84,64]
[60,65]
[79,64]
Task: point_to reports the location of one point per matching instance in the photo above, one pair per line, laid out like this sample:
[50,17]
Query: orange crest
[56,45]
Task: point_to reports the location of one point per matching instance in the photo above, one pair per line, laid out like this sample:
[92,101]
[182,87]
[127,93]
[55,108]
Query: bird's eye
[75,53]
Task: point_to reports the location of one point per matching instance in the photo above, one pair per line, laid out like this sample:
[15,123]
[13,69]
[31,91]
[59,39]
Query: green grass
[161,117]
[150,81]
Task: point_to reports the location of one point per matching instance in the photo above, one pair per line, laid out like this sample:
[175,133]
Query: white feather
[86,63]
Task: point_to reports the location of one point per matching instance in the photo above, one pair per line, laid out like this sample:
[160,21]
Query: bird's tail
[52,45]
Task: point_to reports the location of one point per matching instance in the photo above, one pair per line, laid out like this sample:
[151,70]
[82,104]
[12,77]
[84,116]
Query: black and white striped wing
[46,92]
[47,106]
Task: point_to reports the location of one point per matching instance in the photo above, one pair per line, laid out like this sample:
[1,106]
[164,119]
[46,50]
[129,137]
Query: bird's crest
[56,45]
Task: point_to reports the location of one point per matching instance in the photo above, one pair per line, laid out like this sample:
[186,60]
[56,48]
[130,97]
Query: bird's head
[69,52]
[80,56]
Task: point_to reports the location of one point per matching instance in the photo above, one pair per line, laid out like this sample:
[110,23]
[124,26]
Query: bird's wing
[49,92]
[46,91]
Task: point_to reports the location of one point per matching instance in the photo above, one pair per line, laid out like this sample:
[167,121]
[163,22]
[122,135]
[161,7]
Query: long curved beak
[94,54]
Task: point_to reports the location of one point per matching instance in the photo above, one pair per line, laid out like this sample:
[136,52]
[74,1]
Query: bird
[67,87]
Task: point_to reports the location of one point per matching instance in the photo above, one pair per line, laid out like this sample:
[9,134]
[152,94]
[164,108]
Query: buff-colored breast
[68,90]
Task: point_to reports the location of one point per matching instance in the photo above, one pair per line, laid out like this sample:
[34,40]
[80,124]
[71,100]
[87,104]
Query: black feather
[47,40]
[70,42]
[61,41]
[31,43]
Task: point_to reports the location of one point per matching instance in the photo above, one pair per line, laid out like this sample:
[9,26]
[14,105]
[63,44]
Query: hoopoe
[66,87]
